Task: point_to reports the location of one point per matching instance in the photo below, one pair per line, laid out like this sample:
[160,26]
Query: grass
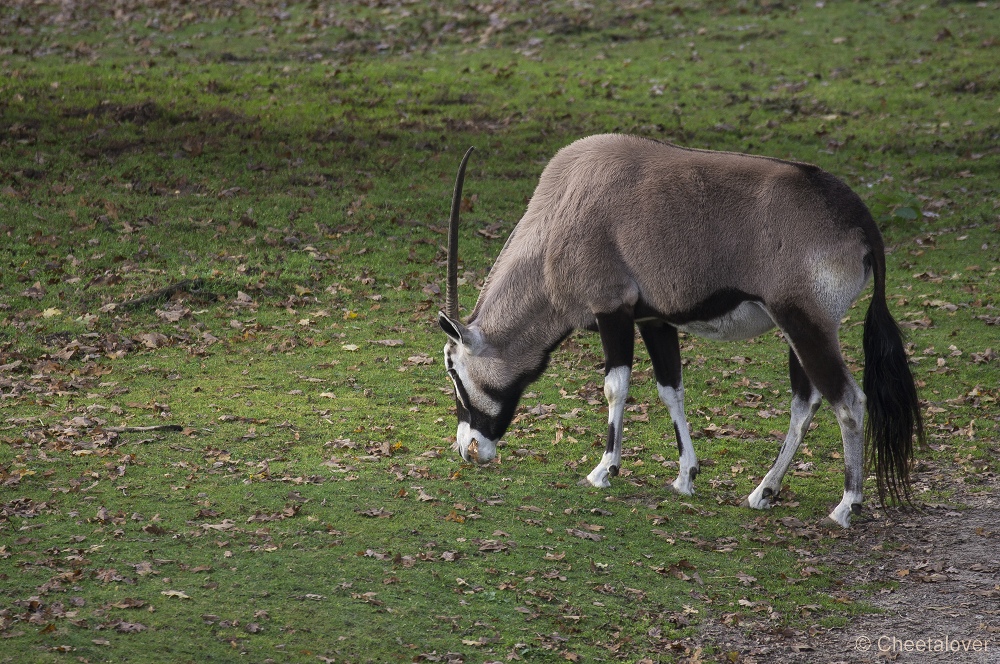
[297,161]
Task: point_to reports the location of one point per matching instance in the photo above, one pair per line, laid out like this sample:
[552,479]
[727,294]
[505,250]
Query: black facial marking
[460,391]
[461,395]
[494,427]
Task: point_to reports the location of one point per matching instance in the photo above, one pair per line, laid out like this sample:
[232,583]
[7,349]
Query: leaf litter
[67,370]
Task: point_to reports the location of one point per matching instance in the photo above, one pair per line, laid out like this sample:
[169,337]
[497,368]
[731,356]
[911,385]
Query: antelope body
[623,231]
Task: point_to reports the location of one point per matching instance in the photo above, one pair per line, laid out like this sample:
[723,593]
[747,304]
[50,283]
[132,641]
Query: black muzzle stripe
[463,395]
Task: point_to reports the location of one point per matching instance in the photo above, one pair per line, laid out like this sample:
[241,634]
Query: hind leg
[850,415]
[665,352]
[618,339]
[814,339]
[805,403]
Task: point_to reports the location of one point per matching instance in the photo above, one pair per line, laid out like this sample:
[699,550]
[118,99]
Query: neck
[515,315]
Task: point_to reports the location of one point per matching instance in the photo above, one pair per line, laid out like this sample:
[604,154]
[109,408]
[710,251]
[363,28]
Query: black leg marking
[856,508]
[814,338]
[610,445]
[617,331]
[818,351]
[801,386]
[617,338]
[853,481]
[767,493]
[664,351]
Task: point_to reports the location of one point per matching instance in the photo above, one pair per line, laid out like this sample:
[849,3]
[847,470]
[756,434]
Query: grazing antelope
[624,231]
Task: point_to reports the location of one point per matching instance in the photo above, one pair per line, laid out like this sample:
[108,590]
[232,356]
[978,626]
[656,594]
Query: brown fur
[617,219]
[622,231]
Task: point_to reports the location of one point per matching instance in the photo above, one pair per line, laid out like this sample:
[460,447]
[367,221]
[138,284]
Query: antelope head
[484,400]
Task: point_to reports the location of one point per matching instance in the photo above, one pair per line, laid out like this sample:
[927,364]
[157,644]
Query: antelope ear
[470,338]
[454,329]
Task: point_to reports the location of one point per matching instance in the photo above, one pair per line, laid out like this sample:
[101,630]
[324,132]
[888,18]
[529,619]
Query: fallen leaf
[376,513]
[35,292]
[388,342]
[583,534]
[153,339]
[175,593]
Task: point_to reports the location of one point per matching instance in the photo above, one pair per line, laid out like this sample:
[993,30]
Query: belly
[748,319]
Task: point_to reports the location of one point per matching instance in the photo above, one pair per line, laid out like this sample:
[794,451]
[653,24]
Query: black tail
[893,408]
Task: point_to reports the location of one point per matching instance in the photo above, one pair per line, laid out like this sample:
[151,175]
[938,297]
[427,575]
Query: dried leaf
[35,292]
[583,534]
[388,342]
[376,513]
[175,593]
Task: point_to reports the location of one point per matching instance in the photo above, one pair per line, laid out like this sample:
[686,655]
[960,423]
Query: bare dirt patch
[945,608]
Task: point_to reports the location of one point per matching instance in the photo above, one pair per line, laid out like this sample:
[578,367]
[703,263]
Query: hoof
[600,481]
[764,503]
[682,488]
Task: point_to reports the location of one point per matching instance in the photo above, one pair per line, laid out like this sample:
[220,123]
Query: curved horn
[451,292]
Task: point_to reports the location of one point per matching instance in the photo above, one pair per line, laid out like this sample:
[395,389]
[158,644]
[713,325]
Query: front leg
[665,352]
[618,340]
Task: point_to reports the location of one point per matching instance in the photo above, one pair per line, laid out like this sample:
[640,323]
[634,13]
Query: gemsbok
[623,231]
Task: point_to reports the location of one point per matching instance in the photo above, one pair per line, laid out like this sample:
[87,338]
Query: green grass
[298,160]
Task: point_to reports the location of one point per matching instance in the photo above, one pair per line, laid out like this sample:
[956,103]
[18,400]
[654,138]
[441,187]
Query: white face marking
[483,451]
[463,364]
[470,443]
